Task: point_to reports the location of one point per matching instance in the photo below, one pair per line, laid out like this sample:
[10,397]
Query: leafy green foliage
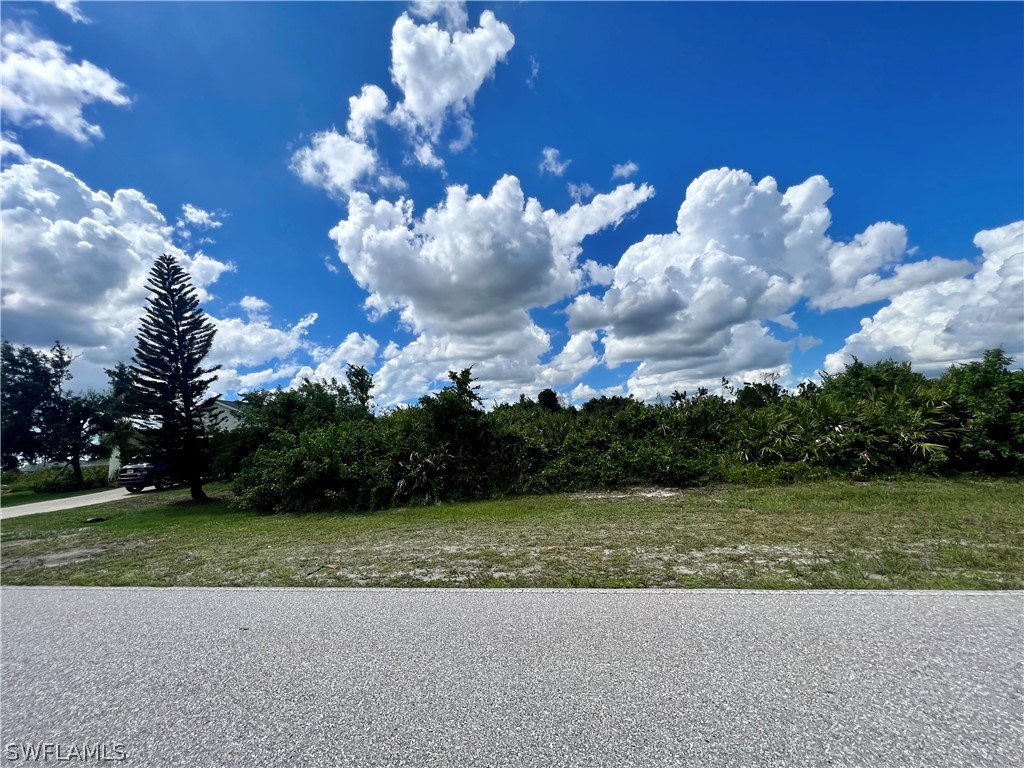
[988,398]
[340,466]
[310,406]
[319,447]
[41,419]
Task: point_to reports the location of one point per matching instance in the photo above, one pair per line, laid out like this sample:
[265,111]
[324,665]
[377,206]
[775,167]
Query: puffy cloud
[452,11]
[334,162]
[75,260]
[254,306]
[952,320]
[255,341]
[364,110]
[551,162]
[197,217]
[584,219]
[10,148]
[741,352]
[504,360]
[573,362]
[426,156]
[252,343]
[71,9]
[625,170]
[332,363]
[75,267]
[583,392]
[440,71]
[41,87]
[230,380]
[465,275]
[691,305]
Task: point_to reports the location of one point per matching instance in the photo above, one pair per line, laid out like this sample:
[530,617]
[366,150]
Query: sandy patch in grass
[70,555]
[630,493]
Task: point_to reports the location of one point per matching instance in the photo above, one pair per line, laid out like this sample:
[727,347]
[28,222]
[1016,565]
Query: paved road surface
[221,677]
[71,502]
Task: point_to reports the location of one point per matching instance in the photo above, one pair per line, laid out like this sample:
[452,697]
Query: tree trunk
[76,467]
[198,494]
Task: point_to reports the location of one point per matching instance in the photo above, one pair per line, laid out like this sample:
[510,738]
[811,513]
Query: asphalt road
[461,678]
[70,502]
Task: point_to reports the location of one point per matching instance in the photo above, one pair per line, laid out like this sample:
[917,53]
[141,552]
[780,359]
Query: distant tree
[360,382]
[121,407]
[26,385]
[548,400]
[170,381]
[988,398]
[862,380]
[760,394]
[41,420]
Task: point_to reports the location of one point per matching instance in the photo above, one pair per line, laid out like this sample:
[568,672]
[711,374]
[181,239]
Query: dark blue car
[135,477]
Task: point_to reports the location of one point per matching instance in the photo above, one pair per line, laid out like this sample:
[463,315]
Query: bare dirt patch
[630,493]
[69,556]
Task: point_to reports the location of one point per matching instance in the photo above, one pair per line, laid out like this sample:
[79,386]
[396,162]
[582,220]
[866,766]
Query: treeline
[321,446]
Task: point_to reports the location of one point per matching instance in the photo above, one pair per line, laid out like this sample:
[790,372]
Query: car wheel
[162,483]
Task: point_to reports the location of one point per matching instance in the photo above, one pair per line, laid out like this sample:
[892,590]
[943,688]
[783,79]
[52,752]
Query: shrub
[338,467]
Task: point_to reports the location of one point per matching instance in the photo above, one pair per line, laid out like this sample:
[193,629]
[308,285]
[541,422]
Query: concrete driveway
[513,678]
[71,502]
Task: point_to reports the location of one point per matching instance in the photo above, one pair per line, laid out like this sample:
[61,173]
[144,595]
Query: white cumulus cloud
[625,170]
[692,305]
[76,260]
[452,11]
[951,320]
[364,110]
[75,266]
[40,86]
[465,275]
[332,363]
[196,217]
[440,71]
[334,162]
[255,341]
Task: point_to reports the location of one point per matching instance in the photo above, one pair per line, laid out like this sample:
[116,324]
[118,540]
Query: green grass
[17,498]
[920,534]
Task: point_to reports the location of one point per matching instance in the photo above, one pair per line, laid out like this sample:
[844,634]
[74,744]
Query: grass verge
[908,534]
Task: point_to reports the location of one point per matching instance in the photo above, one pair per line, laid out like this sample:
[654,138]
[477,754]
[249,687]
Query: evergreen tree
[170,381]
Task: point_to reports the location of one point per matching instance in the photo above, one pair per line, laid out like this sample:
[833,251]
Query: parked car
[135,477]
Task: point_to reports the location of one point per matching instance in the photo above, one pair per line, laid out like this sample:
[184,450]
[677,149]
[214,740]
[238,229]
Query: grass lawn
[932,534]
[17,498]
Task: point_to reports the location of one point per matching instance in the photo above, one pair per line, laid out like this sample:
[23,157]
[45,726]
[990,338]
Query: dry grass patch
[906,534]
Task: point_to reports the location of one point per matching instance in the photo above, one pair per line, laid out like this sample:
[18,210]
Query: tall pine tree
[169,378]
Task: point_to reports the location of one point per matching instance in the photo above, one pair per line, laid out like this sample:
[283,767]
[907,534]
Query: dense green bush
[340,466]
[987,398]
[318,447]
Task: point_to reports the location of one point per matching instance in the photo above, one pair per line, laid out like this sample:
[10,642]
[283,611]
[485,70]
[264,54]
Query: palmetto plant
[882,430]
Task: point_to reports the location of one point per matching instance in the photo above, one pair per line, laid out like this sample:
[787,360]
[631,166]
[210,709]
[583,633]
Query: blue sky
[853,177]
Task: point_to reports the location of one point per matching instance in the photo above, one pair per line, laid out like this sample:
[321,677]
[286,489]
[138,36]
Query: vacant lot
[905,534]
